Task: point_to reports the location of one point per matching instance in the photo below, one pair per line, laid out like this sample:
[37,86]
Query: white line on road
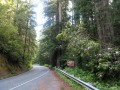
[28,81]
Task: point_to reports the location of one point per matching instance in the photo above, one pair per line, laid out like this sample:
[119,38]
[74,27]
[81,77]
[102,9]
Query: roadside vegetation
[72,84]
[86,32]
[92,79]
[17,36]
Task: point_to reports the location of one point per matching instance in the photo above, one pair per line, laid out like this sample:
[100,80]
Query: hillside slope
[7,69]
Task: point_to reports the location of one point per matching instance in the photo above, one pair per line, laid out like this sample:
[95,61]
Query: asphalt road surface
[39,78]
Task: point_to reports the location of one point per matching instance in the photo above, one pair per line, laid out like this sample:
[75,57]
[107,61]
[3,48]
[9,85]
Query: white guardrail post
[77,80]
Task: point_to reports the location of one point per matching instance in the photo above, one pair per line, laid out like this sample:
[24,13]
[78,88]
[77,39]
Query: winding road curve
[39,78]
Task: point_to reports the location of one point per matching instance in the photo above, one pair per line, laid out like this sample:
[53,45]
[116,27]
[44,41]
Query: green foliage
[116,21]
[71,83]
[46,65]
[79,39]
[62,37]
[81,49]
[80,73]
[17,38]
[10,42]
[85,52]
[47,45]
[91,78]
[107,64]
[84,10]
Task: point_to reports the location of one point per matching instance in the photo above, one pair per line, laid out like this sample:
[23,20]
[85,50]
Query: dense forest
[86,31]
[17,35]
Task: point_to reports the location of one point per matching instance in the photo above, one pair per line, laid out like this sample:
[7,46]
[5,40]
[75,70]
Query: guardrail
[77,80]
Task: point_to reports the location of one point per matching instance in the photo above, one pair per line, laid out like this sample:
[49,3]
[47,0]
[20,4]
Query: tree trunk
[104,23]
[60,14]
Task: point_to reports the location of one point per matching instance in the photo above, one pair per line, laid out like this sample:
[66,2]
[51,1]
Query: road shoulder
[62,84]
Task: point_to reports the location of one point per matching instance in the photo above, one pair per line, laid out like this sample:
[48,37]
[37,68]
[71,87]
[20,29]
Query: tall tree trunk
[104,23]
[73,11]
[60,14]
[15,16]
[59,28]
[25,40]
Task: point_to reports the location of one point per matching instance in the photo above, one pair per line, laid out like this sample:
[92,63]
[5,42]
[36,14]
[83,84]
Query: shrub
[83,51]
[46,65]
[107,64]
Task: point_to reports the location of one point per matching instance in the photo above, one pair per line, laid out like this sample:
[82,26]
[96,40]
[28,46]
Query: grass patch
[89,77]
[72,84]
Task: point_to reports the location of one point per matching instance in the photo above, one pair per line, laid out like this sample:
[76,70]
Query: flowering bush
[83,51]
[107,64]
[88,55]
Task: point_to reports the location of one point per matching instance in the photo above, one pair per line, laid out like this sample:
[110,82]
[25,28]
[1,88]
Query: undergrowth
[90,78]
[72,84]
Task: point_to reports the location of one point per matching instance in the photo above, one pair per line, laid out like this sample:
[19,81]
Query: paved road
[39,78]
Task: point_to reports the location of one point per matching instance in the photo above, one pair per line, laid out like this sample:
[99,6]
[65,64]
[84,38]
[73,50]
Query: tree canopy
[17,34]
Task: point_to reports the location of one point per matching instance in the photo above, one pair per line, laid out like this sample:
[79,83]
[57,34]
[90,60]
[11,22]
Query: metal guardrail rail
[77,80]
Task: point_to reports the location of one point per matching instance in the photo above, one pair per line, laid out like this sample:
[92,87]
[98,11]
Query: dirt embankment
[7,69]
[3,67]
